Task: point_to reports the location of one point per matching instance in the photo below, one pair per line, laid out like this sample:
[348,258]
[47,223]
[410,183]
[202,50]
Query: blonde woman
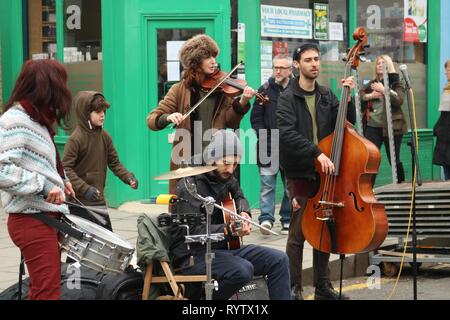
[441,154]
[374,111]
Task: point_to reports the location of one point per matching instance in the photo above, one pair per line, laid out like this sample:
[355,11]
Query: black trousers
[376,136]
[82,213]
[300,190]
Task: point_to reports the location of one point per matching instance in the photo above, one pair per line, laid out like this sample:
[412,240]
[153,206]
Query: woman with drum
[32,178]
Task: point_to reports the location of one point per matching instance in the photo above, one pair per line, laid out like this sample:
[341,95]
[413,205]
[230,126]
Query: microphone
[404,70]
[164,199]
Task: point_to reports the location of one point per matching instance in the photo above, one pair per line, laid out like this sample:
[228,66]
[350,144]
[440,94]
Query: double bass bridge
[326,209]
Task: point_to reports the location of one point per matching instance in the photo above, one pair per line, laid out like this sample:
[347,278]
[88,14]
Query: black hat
[302,48]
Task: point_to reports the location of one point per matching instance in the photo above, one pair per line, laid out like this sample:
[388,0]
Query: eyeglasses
[281,68]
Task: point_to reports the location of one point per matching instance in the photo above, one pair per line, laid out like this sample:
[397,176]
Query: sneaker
[284,228]
[266,224]
[327,292]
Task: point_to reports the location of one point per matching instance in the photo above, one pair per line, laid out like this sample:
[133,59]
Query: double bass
[344,216]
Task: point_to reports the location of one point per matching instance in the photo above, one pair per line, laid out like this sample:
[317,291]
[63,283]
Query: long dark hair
[193,77]
[44,84]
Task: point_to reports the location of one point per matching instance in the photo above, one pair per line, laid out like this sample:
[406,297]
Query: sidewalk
[124,221]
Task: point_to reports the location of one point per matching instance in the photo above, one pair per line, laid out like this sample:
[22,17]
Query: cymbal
[185,172]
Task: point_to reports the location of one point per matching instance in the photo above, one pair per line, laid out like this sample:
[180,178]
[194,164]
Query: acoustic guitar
[235,242]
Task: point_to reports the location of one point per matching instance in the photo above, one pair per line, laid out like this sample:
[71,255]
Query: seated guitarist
[232,268]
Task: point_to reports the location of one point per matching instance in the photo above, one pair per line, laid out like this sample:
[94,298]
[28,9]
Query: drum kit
[104,251]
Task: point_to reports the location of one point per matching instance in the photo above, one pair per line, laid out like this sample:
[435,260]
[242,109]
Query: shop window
[41,29]
[82,30]
[83,47]
[384,21]
[169,66]
[285,24]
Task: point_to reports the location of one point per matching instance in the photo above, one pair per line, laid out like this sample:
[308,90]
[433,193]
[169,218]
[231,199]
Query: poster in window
[336,31]
[320,21]
[415,23]
[266,60]
[286,22]
[280,47]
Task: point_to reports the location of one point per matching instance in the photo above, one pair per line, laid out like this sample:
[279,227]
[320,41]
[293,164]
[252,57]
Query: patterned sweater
[27,164]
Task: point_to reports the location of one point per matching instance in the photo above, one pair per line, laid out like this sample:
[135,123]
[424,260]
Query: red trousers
[39,245]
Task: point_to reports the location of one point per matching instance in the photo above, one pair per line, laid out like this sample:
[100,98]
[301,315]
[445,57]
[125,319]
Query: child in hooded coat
[89,152]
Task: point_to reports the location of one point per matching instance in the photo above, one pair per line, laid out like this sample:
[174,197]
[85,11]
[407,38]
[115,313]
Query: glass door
[164,70]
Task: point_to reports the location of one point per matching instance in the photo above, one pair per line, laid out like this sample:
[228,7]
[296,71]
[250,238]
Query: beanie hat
[196,49]
[223,143]
[302,48]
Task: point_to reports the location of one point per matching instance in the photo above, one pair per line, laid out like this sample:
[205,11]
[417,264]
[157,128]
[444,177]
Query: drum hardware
[166,219]
[99,248]
[202,238]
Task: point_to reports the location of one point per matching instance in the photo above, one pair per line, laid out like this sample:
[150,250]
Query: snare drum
[100,249]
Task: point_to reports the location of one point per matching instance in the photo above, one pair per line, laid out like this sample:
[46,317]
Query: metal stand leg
[342,258]
[21,273]
[209,256]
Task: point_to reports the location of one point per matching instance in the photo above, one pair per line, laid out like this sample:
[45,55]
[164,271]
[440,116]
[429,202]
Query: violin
[230,87]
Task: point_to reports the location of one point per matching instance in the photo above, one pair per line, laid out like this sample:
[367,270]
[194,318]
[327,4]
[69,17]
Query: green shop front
[128,49]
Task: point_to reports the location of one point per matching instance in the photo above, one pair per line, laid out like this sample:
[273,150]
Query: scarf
[45,117]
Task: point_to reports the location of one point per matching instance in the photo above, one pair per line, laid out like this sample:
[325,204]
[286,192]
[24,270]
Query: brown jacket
[89,152]
[228,114]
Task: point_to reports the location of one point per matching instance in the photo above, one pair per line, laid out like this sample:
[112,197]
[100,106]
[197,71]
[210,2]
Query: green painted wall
[434,71]
[11,44]
[249,170]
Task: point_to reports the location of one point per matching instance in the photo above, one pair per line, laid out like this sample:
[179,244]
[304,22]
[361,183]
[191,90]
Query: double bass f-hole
[355,202]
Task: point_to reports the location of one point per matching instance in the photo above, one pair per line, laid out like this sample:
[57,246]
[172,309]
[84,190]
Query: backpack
[79,283]
[76,284]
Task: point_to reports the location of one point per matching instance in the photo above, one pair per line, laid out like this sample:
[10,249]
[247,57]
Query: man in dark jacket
[306,114]
[264,122]
[235,267]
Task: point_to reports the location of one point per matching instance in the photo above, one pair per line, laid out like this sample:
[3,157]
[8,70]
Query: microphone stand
[416,170]
[209,255]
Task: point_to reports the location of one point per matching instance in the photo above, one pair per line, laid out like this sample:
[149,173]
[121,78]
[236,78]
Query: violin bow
[209,93]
